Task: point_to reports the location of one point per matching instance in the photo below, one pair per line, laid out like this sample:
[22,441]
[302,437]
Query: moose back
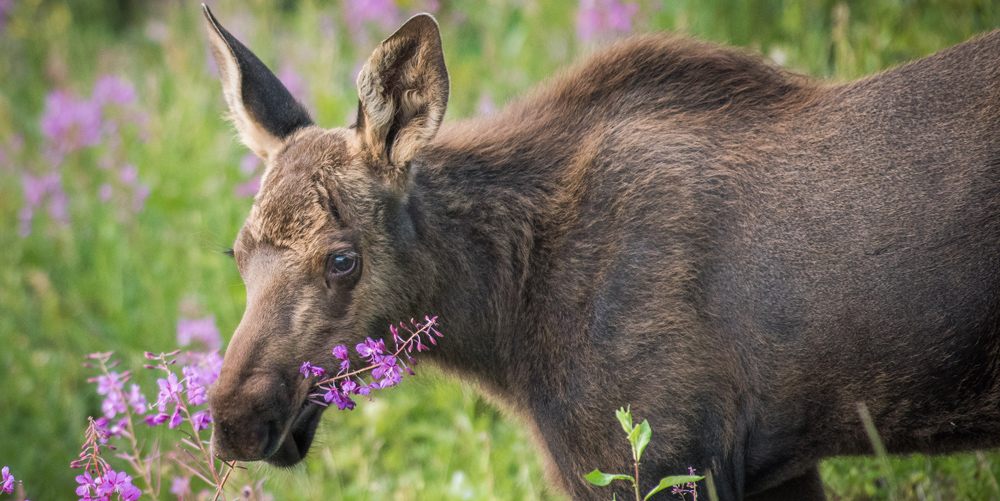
[739,253]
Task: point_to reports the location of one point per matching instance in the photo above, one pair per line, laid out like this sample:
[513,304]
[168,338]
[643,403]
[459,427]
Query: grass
[112,280]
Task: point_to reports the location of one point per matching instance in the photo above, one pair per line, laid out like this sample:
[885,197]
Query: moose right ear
[260,106]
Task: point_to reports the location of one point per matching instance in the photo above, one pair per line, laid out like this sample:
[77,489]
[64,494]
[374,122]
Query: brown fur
[739,253]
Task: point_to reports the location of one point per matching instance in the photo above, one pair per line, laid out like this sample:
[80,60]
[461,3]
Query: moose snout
[249,418]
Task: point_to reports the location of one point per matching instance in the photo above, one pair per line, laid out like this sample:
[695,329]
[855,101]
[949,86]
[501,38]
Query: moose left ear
[403,91]
[260,106]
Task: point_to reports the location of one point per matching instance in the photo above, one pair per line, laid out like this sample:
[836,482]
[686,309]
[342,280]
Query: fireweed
[639,437]
[71,124]
[385,369]
[119,434]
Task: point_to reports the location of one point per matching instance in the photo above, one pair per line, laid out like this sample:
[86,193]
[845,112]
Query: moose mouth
[294,445]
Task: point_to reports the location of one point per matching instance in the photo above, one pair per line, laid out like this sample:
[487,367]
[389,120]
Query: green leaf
[642,440]
[601,479]
[672,481]
[624,416]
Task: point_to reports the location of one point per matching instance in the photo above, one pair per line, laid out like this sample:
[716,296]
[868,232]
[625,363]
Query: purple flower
[200,330]
[176,418]
[6,480]
[180,486]
[370,349]
[387,373]
[340,352]
[307,369]
[348,387]
[156,419]
[249,164]
[86,484]
[200,420]
[197,393]
[105,192]
[5,7]
[110,89]
[343,402]
[170,390]
[112,385]
[604,18]
[38,189]
[360,13]
[70,124]
[136,399]
[249,188]
[293,82]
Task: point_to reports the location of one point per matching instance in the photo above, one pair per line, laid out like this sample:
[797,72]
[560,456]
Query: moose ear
[403,91]
[262,109]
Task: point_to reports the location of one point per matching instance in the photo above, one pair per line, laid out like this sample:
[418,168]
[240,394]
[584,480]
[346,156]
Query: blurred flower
[249,188]
[485,106]
[110,385]
[105,192]
[180,487]
[111,89]
[136,399]
[249,163]
[200,420]
[170,389]
[5,7]
[293,82]
[596,19]
[360,14]
[38,189]
[6,480]
[69,124]
[199,330]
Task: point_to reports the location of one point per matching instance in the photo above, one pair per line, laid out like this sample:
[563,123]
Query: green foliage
[672,481]
[601,479]
[108,282]
[638,438]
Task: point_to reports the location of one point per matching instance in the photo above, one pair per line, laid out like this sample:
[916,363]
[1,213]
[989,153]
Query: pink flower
[200,420]
[110,89]
[6,480]
[199,330]
[180,486]
[597,19]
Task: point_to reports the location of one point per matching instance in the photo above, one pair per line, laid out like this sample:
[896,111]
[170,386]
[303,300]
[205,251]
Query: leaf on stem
[643,433]
[601,479]
[672,481]
[624,415]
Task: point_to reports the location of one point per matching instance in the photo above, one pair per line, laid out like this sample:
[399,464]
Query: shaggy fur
[740,254]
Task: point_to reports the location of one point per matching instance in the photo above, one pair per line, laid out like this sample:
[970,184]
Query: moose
[740,253]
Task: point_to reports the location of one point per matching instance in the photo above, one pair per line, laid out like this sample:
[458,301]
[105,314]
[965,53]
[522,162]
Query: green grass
[111,281]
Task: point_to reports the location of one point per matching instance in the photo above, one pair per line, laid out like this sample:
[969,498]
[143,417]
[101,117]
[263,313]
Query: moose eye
[339,265]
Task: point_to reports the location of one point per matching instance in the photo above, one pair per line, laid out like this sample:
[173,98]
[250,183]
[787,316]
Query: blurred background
[121,185]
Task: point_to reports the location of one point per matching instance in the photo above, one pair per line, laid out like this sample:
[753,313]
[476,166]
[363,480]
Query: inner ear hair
[403,90]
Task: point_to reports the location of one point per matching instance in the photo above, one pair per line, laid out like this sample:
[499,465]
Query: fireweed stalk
[386,369]
[180,405]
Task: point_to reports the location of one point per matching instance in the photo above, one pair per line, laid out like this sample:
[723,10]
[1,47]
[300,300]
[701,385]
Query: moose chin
[740,253]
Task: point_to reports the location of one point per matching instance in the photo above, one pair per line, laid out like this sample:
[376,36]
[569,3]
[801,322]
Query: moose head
[327,234]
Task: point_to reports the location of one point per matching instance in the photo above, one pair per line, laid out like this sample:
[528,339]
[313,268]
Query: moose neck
[481,230]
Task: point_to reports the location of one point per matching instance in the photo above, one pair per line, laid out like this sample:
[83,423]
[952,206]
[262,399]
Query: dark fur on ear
[403,90]
[262,108]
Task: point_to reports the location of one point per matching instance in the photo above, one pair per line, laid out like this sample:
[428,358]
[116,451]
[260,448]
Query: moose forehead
[293,208]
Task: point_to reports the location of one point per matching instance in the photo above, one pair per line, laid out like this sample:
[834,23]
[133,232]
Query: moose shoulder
[739,253]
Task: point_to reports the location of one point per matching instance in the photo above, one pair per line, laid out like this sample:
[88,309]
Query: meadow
[121,185]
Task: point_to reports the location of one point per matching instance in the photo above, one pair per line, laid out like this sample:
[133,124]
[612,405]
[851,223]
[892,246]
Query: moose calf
[739,253]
